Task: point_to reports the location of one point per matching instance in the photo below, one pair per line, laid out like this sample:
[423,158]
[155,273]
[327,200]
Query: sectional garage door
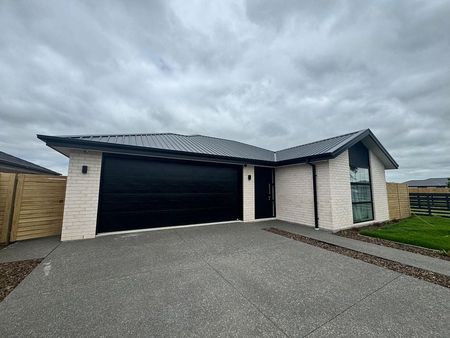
[138,193]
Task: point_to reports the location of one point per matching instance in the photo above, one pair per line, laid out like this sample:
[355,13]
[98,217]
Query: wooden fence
[428,190]
[437,204]
[31,206]
[398,200]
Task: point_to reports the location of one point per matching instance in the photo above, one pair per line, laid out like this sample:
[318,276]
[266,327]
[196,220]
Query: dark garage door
[138,193]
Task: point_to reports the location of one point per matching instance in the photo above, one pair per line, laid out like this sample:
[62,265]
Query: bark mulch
[354,234]
[12,273]
[423,274]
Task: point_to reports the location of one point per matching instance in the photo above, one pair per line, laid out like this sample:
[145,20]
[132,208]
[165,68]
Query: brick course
[80,209]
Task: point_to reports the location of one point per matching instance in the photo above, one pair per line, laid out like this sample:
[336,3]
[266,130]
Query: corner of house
[82,191]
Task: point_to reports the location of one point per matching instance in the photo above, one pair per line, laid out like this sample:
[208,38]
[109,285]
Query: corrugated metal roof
[315,148]
[17,163]
[198,144]
[429,182]
[208,146]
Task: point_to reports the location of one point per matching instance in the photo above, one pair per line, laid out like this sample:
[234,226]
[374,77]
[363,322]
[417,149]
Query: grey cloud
[268,73]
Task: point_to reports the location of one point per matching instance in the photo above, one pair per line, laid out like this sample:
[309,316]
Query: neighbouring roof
[217,148]
[11,163]
[429,182]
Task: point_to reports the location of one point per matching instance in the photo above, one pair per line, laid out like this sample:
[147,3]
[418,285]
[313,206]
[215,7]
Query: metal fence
[437,204]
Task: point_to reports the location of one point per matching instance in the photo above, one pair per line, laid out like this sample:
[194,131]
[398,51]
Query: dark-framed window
[360,183]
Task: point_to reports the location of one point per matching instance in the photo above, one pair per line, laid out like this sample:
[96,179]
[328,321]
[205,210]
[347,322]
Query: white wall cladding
[379,190]
[341,195]
[248,193]
[324,195]
[80,209]
[294,194]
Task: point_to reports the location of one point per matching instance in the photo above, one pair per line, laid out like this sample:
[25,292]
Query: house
[139,181]
[442,182]
[12,164]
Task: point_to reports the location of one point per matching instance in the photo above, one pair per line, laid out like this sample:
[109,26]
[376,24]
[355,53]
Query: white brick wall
[80,209]
[341,195]
[379,190]
[324,195]
[248,193]
[294,194]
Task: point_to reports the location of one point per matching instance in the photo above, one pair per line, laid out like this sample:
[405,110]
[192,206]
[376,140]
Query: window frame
[369,184]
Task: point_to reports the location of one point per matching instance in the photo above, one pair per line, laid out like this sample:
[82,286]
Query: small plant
[445,252]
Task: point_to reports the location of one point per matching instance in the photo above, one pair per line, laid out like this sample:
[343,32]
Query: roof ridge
[225,139]
[112,135]
[325,139]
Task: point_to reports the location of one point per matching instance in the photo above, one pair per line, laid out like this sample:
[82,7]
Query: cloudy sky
[270,73]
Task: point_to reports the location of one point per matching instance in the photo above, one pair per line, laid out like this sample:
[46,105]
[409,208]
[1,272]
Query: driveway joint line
[240,293]
[248,300]
[355,303]
[51,251]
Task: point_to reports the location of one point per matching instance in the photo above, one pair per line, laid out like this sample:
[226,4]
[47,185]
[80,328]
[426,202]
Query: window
[360,184]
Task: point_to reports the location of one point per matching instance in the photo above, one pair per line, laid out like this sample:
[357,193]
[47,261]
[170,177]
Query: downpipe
[316,210]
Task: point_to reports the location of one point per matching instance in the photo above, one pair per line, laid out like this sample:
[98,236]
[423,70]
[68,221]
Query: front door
[264,192]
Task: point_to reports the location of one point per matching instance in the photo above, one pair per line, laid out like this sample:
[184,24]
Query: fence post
[7,205]
[16,211]
[428,205]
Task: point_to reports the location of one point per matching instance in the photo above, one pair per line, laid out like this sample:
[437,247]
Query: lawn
[426,231]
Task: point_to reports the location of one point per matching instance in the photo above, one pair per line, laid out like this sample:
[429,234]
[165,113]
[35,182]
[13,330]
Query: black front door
[264,192]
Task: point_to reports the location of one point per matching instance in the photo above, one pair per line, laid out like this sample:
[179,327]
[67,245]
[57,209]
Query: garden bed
[12,273]
[412,271]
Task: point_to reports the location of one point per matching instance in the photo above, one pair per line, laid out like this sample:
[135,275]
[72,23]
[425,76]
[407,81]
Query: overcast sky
[270,73]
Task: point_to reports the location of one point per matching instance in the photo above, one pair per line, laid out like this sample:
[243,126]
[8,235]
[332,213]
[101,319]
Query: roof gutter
[316,209]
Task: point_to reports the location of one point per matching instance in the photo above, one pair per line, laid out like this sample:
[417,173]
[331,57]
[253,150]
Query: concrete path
[29,249]
[405,257]
[229,280]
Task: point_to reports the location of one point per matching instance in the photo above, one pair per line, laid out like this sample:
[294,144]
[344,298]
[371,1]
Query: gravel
[12,273]
[423,274]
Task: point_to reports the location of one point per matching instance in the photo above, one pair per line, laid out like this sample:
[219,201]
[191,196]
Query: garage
[141,192]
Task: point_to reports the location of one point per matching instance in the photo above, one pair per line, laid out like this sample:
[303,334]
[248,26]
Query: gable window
[360,183]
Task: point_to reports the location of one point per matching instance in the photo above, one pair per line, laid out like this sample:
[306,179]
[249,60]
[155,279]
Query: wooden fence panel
[398,200]
[429,190]
[7,188]
[38,207]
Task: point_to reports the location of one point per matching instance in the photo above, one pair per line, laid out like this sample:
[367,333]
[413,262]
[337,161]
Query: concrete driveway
[221,280]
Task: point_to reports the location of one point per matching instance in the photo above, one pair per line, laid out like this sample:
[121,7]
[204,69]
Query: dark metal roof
[14,164]
[198,144]
[217,148]
[315,148]
[430,182]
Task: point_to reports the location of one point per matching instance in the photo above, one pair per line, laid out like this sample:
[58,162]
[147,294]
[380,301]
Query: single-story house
[140,181]
[441,182]
[12,164]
